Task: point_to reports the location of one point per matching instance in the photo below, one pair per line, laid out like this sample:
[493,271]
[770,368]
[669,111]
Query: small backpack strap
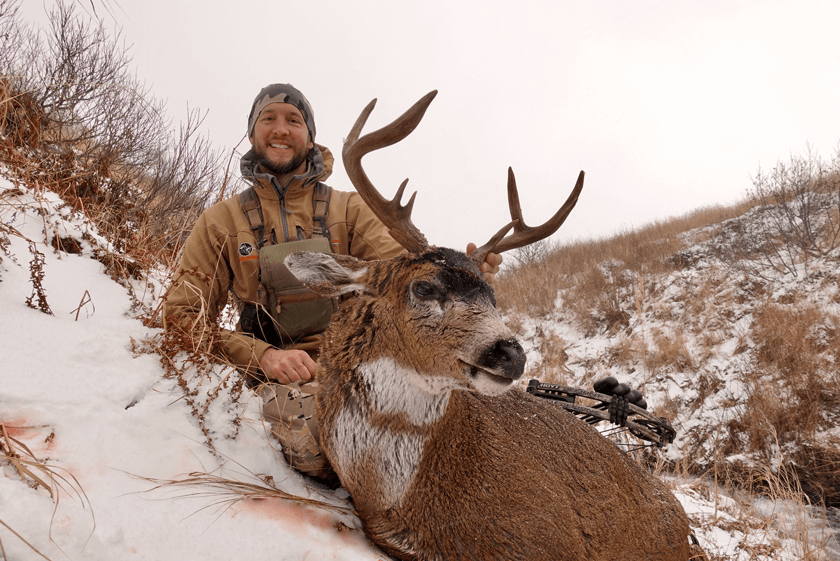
[321,206]
[250,203]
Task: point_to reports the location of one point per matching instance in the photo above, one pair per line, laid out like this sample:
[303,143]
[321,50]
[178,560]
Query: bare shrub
[92,101]
[180,185]
[801,202]
[533,253]
[92,133]
[99,139]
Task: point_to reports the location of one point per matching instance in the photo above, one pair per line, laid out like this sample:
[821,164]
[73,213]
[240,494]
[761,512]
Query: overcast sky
[667,105]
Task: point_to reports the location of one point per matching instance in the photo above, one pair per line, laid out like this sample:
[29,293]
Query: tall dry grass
[594,270]
[793,395]
[772,522]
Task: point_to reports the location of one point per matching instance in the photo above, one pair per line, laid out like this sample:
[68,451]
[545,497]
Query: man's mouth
[280,146]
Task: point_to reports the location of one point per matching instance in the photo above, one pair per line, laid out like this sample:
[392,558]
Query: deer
[443,457]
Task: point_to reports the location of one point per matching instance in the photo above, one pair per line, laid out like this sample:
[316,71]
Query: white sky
[667,106]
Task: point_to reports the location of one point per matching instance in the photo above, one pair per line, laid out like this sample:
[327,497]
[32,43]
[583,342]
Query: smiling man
[237,246]
[281,139]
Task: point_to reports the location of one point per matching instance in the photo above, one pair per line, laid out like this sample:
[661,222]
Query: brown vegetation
[589,267]
[36,473]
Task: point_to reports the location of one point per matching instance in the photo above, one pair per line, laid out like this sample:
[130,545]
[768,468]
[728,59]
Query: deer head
[441,313]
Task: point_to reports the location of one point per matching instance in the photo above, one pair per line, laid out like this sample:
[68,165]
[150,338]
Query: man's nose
[280,128]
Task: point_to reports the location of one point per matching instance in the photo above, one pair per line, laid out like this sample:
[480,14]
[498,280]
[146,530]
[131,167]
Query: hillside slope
[735,342]
[155,462]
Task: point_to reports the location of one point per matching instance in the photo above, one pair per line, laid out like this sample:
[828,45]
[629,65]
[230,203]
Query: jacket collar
[319,165]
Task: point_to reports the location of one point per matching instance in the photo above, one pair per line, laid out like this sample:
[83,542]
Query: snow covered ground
[74,390]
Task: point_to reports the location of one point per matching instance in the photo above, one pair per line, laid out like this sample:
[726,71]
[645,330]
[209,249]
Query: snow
[78,389]
[78,395]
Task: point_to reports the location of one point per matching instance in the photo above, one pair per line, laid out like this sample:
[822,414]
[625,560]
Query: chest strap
[250,203]
[321,206]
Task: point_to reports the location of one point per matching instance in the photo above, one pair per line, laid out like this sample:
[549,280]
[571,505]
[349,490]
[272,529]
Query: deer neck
[399,393]
[381,434]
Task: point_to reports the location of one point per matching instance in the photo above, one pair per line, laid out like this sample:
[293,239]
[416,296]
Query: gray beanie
[282,93]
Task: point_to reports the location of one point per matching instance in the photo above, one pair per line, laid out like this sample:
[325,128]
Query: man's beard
[280,169]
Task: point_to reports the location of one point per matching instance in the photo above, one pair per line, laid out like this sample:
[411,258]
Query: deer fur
[443,459]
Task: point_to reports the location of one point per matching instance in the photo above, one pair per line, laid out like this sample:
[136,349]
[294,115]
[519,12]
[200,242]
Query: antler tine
[395,216]
[522,233]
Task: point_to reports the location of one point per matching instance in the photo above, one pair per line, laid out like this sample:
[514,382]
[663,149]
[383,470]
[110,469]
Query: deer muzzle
[505,358]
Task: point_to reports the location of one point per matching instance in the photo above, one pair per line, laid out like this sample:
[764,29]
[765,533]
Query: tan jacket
[221,254]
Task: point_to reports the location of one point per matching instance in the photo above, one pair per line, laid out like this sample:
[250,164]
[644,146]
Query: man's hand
[490,266]
[287,366]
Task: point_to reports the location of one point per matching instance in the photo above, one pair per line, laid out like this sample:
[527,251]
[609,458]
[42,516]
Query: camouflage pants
[291,412]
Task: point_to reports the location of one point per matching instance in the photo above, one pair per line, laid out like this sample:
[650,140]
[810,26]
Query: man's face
[281,139]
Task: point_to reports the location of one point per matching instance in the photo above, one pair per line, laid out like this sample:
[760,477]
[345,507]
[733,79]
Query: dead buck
[443,459]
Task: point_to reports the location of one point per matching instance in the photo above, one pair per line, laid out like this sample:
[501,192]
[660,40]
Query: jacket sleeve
[199,293]
[369,238]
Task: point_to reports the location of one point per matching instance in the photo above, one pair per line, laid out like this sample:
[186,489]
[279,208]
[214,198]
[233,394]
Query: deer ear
[326,274]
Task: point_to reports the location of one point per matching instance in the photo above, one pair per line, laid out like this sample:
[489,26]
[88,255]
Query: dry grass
[106,194]
[606,285]
[789,350]
[193,356]
[793,395]
[102,193]
[37,473]
[769,520]
[578,268]
[553,368]
[226,492]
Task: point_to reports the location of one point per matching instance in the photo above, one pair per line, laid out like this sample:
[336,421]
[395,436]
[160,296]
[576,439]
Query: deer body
[443,460]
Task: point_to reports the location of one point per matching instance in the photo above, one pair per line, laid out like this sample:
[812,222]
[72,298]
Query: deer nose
[505,358]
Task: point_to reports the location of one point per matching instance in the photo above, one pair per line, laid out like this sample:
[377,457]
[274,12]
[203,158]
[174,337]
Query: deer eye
[426,291]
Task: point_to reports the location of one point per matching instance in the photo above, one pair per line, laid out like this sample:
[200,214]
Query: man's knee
[290,409]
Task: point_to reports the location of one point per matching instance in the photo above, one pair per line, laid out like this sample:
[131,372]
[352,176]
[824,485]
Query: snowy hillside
[82,390]
[706,340]
[736,344]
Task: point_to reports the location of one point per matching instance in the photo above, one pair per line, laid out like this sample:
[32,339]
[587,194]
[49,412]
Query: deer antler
[522,233]
[396,217]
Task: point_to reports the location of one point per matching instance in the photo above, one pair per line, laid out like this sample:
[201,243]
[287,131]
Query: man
[238,245]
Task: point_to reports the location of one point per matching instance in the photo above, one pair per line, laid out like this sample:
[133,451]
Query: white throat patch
[361,446]
[395,389]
